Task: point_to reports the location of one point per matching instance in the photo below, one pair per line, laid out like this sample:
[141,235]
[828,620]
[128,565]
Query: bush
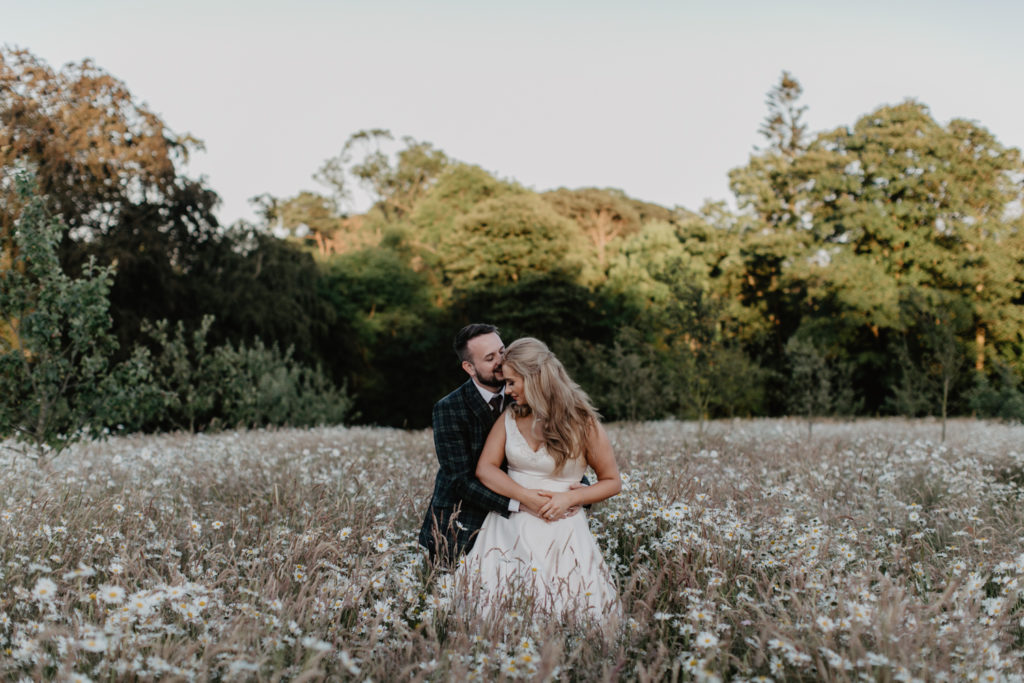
[622,379]
[196,388]
[55,338]
[1001,397]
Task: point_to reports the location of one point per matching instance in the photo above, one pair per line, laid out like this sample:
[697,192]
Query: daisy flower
[706,639]
[113,595]
[44,590]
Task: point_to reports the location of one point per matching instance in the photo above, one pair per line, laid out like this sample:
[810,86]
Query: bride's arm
[490,474]
[602,459]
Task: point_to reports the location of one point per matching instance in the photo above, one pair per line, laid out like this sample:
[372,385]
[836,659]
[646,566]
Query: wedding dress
[556,566]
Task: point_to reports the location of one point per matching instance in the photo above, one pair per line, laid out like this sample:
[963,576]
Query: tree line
[870,269]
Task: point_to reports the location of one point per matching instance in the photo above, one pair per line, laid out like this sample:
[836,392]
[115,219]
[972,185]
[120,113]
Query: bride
[549,437]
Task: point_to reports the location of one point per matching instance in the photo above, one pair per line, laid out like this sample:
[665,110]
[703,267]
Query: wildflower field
[751,551]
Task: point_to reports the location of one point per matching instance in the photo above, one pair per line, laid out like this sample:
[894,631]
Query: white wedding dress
[523,559]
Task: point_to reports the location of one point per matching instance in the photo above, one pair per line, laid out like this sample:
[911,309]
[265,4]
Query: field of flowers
[748,552]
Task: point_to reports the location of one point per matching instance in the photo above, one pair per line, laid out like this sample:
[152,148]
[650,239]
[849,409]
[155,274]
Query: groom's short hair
[469,332]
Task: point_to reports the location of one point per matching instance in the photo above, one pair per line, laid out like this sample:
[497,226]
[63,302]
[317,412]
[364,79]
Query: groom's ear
[468,367]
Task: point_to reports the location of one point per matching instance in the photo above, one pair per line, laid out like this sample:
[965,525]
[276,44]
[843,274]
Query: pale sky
[657,98]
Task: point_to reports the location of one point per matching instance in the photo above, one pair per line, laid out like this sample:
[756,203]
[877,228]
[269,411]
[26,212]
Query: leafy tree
[505,239]
[702,364]
[661,252]
[196,386]
[55,381]
[312,218]
[458,190]
[817,386]
[603,215]
[769,184]
[784,127]
[1000,396]
[644,264]
[396,184]
[259,287]
[931,355]
[110,168]
[544,305]
[388,354]
[624,380]
[847,221]
[92,147]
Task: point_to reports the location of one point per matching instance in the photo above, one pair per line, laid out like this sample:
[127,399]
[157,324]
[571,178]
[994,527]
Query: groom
[461,421]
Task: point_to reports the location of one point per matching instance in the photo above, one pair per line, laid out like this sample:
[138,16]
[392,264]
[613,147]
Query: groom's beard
[490,382]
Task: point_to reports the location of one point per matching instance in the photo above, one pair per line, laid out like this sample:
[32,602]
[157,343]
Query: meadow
[748,551]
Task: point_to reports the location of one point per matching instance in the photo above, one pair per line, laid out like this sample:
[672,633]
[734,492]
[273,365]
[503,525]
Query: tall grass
[748,551]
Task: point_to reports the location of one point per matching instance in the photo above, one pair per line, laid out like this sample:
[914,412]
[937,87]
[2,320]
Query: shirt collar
[487,394]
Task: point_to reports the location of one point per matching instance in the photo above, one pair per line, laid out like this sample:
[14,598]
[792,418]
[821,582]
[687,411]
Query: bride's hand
[559,505]
[534,500]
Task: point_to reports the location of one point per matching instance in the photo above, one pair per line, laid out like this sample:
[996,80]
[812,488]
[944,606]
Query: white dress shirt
[487,395]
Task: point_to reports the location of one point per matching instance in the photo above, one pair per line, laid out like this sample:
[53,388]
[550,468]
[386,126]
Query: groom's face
[484,364]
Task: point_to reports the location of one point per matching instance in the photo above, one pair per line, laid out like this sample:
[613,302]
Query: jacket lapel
[475,402]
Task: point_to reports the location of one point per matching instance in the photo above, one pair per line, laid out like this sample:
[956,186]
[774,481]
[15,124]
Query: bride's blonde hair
[563,413]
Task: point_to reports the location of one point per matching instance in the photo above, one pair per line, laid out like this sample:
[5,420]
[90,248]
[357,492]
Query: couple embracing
[513,444]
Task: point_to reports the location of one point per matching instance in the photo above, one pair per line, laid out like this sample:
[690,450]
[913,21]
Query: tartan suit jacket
[462,420]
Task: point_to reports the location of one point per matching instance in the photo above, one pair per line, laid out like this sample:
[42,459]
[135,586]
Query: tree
[703,365]
[768,185]
[55,384]
[1001,396]
[390,336]
[507,238]
[931,355]
[846,222]
[310,218]
[783,127]
[810,381]
[196,386]
[395,184]
[928,205]
[91,146]
[459,188]
[817,385]
[623,380]
[603,215]
[110,169]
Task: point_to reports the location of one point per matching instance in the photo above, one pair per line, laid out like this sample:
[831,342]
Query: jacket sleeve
[453,444]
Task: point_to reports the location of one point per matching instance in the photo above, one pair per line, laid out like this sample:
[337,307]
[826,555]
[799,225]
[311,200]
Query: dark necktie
[495,403]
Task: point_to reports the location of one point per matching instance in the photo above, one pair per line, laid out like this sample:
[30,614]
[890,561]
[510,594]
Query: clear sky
[657,98]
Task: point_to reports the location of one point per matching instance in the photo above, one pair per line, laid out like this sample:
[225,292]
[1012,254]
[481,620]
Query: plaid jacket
[460,502]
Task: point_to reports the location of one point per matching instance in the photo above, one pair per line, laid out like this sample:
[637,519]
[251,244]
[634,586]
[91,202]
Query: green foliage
[506,238]
[1000,396]
[783,127]
[897,202]
[624,379]
[708,373]
[195,387]
[56,341]
[458,189]
[92,147]
[817,387]
[932,357]
[393,334]
[395,183]
[828,292]
[604,216]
